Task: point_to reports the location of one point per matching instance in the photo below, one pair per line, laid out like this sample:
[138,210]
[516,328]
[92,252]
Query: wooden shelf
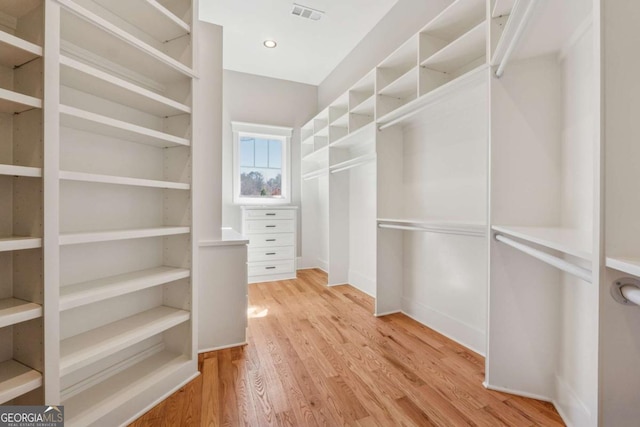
[629,265]
[97,402]
[13,102]
[15,51]
[86,30]
[366,107]
[91,122]
[502,7]
[108,236]
[11,170]
[457,19]
[84,349]
[565,240]
[462,51]
[404,86]
[14,311]
[104,85]
[121,180]
[469,228]
[362,136]
[17,379]
[79,294]
[19,243]
[149,16]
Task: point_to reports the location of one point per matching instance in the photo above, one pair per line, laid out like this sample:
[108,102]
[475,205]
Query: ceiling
[307,50]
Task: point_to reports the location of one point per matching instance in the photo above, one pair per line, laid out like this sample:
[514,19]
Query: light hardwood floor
[318,357]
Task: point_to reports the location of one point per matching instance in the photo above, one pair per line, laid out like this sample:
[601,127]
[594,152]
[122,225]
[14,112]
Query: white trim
[387,313]
[516,392]
[261,129]
[223,347]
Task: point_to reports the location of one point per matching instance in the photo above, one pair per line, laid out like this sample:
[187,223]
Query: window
[261,164]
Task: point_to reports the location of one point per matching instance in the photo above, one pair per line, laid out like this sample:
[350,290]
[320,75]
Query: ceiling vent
[306,12]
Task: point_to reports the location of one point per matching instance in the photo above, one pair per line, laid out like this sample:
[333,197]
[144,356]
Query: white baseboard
[222,347]
[517,392]
[571,408]
[362,283]
[323,265]
[386,313]
[448,326]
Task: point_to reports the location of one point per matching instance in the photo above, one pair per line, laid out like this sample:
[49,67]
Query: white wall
[263,100]
[405,19]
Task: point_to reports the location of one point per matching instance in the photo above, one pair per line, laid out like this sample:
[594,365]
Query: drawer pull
[270,240]
[269,268]
[270,226]
[270,253]
[270,214]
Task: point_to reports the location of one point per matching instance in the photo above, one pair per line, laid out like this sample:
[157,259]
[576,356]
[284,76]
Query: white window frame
[262,131]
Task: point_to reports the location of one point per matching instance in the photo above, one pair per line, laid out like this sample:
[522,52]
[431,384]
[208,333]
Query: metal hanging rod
[435,229]
[560,263]
[517,35]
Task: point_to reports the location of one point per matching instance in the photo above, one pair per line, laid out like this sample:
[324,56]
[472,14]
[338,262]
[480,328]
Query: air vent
[306,12]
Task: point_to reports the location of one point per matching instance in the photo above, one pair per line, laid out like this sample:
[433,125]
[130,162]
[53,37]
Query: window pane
[246,151]
[260,167]
[275,154]
[262,153]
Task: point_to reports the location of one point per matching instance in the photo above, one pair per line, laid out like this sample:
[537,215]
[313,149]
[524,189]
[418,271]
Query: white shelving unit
[21,205]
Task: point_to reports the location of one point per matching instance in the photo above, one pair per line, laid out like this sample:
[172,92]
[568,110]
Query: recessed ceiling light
[270,44]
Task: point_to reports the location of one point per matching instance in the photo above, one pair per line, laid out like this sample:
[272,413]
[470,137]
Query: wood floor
[317,357]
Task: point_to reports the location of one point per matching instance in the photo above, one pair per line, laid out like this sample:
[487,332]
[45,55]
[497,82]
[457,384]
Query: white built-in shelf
[11,170]
[150,16]
[84,120]
[342,121]
[108,236]
[79,294]
[14,102]
[19,243]
[466,228]
[406,112]
[366,107]
[94,403]
[364,135]
[464,50]
[84,29]
[323,132]
[403,58]
[457,19]
[352,163]
[121,180]
[315,174]
[502,7]
[16,380]
[627,265]
[86,348]
[89,79]
[308,141]
[404,86]
[14,311]
[566,240]
[15,51]
[318,155]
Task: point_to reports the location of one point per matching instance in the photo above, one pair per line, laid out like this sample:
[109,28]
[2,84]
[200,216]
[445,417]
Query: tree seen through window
[260,167]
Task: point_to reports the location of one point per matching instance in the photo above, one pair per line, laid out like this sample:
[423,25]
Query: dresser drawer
[271,254]
[269,214]
[271,240]
[269,226]
[267,268]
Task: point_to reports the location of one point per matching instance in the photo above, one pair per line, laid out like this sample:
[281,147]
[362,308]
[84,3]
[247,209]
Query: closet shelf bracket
[626,290]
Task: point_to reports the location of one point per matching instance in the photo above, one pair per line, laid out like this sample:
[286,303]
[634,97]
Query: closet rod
[563,265]
[313,175]
[631,293]
[353,163]
[516,37]
[459,232]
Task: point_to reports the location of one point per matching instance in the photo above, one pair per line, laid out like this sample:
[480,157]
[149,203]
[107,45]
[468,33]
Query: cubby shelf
[565,240]
[404,86]
[12,170]
[17,379]
[108,236]
[14,311]
[84,120]
[19,243]
[322,132]
[89,79]
[13,102]
[150,16]
[456,19]
[627,265]
[15,51]
[86,348]
[121,180]
[364,135]
[342,121]
[464,50]
[316,155]
[107,396]
[79,294]
[366,107]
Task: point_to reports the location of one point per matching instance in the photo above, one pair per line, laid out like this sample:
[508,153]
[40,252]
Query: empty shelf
[86,348]
[566,240]
[462,51]
[88,79]
[342,121]
[91,122]
[79,294]
[404,86]
[108,395]
[323,132]
[17,379]
[465,228]
[366,107]
[12,170]
[13,102]
[14,311]
[629,265]
[150,16]
[320,154]
[19,243]
[362,136]
[15,51]
[108,236]
[457,19]
[121,180]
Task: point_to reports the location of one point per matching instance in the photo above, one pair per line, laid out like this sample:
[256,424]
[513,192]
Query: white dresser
[272,242]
